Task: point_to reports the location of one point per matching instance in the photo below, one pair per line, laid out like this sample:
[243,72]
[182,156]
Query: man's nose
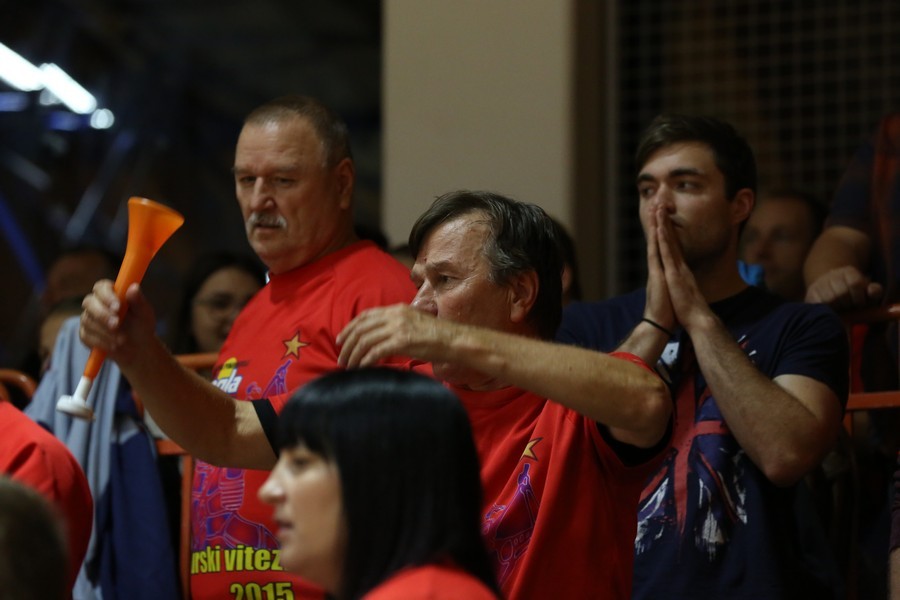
[663,197]
[756,250]
[424,300]
[232,312]
[262,193]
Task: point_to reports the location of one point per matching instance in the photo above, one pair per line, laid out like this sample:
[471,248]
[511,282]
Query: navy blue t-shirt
[710,524]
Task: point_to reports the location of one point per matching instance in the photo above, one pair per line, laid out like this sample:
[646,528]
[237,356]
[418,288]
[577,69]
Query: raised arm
[649,337]
[787,424]
[835,269]
[631,400]
[204,420]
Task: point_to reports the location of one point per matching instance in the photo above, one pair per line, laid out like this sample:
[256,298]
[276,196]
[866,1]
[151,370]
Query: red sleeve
[46,465]
[633,358]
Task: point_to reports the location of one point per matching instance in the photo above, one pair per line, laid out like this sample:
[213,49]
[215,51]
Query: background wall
[477,95]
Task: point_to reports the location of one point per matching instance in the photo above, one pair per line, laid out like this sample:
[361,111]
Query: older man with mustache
[294,175]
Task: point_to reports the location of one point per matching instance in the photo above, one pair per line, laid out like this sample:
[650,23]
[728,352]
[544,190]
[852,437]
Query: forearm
[780,434]
[609,390]
[837,247]
[202,419]
[647,341]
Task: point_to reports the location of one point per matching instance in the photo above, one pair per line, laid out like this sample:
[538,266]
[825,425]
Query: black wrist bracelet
[658,326]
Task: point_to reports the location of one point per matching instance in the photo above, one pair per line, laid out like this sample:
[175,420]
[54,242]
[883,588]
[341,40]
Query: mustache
[266,220]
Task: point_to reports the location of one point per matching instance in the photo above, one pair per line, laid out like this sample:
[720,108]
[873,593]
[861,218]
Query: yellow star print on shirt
[293,345]
[529,449]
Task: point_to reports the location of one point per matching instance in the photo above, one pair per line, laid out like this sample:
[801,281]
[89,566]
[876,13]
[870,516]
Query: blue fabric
[130,554]
[751,274]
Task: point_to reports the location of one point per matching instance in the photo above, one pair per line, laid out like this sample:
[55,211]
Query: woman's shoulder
[432,582]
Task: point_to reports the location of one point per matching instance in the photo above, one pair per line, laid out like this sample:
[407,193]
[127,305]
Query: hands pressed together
[673,296]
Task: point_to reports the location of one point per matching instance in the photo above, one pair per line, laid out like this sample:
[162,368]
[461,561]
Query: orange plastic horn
[150,224]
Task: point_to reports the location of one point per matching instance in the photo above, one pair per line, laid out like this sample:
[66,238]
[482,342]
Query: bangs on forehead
[307,424]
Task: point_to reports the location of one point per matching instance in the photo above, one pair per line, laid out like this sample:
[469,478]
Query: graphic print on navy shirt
[703,467]
[708,517]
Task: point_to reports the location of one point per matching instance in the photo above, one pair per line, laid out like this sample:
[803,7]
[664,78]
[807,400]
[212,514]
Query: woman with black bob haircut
[376,492]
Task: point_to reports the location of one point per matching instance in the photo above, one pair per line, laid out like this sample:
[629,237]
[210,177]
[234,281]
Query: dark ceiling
[179,76]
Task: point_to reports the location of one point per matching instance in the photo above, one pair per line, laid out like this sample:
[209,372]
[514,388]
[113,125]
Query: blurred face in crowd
[216,305]
[74,275]
[296,207]
[49,331]
[778,237]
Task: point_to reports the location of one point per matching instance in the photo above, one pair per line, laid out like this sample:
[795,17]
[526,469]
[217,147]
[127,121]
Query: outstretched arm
[630,400]
[835,268]
[204,420]
[785,425]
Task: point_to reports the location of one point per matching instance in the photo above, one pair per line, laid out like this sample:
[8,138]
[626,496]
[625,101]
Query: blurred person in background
[778,235]
[215,290]
[33,554]
[855,264]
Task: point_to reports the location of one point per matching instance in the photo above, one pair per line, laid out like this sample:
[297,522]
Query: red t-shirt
[560,507]
[431,582]
[282,339]
[33,456]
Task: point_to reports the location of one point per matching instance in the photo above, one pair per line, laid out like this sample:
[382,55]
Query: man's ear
[742,205]
[523,291]
[344,174]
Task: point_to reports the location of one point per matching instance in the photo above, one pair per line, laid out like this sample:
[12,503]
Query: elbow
[786,468]
[228,455]
[786,462]
[783,475]
[215,453]
[217,447]
[652,418]
[217,457]
[659,411]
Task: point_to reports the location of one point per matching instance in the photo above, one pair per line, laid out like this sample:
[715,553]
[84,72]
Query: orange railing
[861,400]
[858,402]
[18,379]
